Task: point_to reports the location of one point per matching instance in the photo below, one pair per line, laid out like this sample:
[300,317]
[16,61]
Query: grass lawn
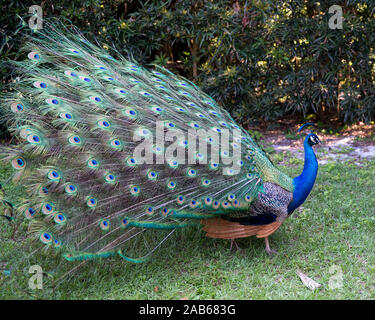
[332,237]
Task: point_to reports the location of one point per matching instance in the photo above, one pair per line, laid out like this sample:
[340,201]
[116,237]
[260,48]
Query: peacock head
[311,138]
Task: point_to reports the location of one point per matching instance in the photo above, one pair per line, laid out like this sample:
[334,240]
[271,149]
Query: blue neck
[305,181]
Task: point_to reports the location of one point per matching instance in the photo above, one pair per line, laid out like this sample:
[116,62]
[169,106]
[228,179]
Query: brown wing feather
[224,229]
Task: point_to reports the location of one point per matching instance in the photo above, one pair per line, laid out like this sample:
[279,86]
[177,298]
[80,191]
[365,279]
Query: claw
[268,249]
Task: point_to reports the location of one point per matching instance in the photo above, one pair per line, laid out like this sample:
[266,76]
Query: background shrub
[261,59]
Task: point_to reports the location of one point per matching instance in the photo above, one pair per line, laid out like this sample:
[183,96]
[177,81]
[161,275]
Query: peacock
[114,157]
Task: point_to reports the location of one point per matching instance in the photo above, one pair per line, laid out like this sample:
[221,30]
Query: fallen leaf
[308,282]
[156,289]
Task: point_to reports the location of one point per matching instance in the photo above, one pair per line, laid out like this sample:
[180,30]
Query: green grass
[335,229]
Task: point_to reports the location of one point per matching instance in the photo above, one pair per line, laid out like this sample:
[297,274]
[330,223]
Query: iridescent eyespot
[70,73]
[215,204]
[157,149]
[143,132]
[224,154]
[66,116]
[17,107]
[29,213]
[105,124]
[194,125]
[144,93]
[231,197]
[208,201]
[96,99]
[214,165]
[210,140]
[200,156]
[75,140]
[47,208]
[43,191]
[236,203]
[40,84]
[130,113]
[108,78]
[92,163]
[152,175]
[18,163]
[71,189]
[193,204]
[216,130]
[149,211]
[225,204]
[46,238]
[83,78]
[73,50]
[91,202]
[57,243]
[34,139]
[228,172]
[59,218]
[33,55]
[53,101]
[171,185]
[130,161]
[120,90]
[191,173]
[184,143]
[165,212]
[248,198]
[104,225]
[180,199]
[100,67]
[173,163]
[53,175]
[179,109]
[206,182]
[124,222]
[169,124]
[110,178]
[156,109]
[134,190]
[115,143]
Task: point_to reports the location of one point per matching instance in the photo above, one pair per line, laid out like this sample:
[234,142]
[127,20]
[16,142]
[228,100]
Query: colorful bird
[115,157]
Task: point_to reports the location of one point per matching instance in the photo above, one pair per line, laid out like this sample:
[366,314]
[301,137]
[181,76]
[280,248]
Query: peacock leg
[231,244]
[268,249]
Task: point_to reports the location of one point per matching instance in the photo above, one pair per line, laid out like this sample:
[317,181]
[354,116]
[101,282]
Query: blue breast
[305,181]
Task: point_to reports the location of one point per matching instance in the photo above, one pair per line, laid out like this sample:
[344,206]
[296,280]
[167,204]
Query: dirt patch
[356,143]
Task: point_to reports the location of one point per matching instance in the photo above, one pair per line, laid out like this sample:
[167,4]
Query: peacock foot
[269,251]
[231,245]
